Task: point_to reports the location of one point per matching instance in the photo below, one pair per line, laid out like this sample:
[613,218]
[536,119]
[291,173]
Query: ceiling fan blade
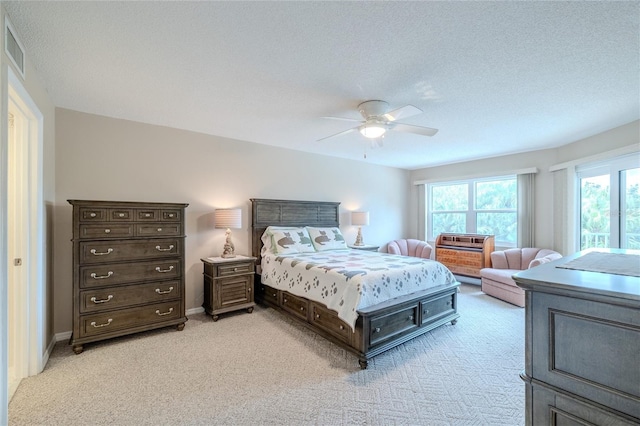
[418,130]
[338,134]
[404,112]
[343,119]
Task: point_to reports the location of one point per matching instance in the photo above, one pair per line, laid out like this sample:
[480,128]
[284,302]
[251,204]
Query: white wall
[550,192]
[100,158]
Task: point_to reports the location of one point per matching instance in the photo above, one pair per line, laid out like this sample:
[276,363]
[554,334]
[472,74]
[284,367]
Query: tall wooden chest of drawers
[128,268]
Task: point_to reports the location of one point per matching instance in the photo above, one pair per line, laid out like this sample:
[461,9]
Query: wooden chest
[465,254]
[128,268]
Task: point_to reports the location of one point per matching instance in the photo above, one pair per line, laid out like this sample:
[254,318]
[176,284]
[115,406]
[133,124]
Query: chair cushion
[500,275]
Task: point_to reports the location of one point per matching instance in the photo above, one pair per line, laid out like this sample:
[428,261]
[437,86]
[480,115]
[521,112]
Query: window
[478,206]
[609,204]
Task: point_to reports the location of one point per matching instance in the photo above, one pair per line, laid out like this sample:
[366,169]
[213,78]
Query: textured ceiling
[494,77]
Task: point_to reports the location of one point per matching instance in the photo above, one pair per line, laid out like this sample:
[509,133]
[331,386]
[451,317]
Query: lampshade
[228,218]
[372,131]
[360,218]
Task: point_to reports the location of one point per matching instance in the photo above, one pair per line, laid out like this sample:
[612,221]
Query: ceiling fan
[378,120]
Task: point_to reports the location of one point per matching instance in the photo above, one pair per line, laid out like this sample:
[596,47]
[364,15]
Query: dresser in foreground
[128,268]
[582,339]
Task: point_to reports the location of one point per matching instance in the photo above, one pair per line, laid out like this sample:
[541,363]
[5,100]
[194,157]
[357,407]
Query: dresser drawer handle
[107,231]
[147,215]
[96,301]
[164,270]
[235,269]
[101,253]
[92,214]
[317,316]
[167,249]
[341,327]
[170,215]
[163,313]
[120,214]
[101,277]
[377,330]
[159,229]
[410,318]
[164,292]
[93,323]
[284,300]
[275,294]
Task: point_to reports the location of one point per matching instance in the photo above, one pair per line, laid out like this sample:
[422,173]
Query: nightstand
[365,247]
[228,284]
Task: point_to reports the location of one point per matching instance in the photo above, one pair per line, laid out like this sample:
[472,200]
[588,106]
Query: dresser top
[553,276]
[131,204]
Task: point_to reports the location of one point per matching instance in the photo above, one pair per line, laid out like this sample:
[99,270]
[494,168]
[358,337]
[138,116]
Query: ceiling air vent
[13,47]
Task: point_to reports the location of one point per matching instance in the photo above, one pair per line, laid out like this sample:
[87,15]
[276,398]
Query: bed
[363,317]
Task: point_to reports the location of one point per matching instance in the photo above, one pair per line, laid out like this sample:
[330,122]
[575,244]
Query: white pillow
[327,238]
[286,240]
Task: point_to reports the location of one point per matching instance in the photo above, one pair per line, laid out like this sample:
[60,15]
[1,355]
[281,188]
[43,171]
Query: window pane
[503,225]
[630,207]
[497,195]
[450,197]
[595,212]
[448,222]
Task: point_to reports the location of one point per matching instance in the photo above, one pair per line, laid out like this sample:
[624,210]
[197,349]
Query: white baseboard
[66,335]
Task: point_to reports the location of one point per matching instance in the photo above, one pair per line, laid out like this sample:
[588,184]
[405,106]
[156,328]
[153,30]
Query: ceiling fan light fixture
[373,131]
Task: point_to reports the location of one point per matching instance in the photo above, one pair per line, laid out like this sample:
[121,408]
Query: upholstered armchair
[410,247]
[497,282]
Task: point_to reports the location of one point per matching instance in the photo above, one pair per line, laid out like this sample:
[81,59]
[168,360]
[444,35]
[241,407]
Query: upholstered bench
[497,282]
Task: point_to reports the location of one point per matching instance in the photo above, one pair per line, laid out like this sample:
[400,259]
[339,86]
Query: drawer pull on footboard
[96,301]
[101,277]
[164,270]
[167,249]
[161,314]
[165,291]
[93,323]
[101,253]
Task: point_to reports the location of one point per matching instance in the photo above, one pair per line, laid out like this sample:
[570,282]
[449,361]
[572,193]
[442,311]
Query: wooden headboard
[266,213]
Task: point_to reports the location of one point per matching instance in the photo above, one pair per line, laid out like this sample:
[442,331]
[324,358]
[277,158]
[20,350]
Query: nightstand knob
[107,231]
[159,229]
[302,308]
[318,316]
[235,269]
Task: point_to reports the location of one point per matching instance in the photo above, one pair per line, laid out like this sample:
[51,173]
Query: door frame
[33,296]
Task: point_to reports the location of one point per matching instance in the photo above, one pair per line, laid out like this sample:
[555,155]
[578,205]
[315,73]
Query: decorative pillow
[267,246]
[327,238]
[539,261]
[289,240]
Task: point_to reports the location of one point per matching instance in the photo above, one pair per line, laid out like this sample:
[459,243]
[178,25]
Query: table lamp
[359,219]
[227,219]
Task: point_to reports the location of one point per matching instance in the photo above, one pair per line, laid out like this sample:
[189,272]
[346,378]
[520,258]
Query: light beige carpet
[263,369]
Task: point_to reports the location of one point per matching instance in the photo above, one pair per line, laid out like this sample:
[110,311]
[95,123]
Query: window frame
[471,213]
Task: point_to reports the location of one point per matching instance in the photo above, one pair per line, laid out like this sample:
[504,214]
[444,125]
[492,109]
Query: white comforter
[348,280]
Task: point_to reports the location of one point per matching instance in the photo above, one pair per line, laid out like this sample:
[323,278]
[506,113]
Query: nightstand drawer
[126,296]
[236,268]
